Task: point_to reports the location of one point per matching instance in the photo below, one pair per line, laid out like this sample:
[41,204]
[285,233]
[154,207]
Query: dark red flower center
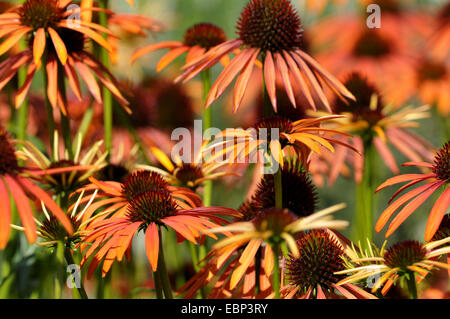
[53,230]
[38,14]
[275,220]
[8,160]
[205,35]
[141,182]
[266,127]
[299,193]
[364,92]
[372,44]
[151,206]
[187,174]
[113,172]
[320,258]
[442,163]
[270,25]
[405,254]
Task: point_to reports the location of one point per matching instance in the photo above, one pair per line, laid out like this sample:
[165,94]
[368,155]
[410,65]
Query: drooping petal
[437,214]
[152,245]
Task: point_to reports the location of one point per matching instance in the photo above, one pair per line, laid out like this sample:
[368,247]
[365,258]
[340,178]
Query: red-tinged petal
[387,214]
[180,229]
[270,79]
[5,215]
[52,82]
[320,294]
[359,292]
[344,292]
[90,80]
[386,155]
[157,46]
[23,92]
[39,44]
[59,45]
[242,82]
[437,214]
[285,76]
[339,161]
[402,179]
[24,208]
[152,245]
[12,40]
[410,208]
[89,33]
[126,239]
[420,164]
[49,203]
[170,56]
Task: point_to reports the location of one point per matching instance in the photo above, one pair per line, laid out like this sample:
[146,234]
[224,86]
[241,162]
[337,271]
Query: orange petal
[5,215]
[39,44]
[437,214]
[152,245]
[60,47]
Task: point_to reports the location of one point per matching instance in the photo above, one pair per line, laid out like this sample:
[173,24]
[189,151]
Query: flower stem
[158,287]
[59,281]
[207,124]
[48,106]
[412,286]
[69,259]
[276,281]
[107,97]
[162,270]
[65,122]
[365,190]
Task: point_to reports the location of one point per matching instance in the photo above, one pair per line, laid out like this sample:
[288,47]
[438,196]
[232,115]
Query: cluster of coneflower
[95,197]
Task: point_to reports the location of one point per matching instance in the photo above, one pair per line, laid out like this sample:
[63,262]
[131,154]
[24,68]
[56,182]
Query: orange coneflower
[144,202]
[433,83]
[270,29]
[439,40]
[303,137]
[386,55]
[61,41]
[438,178]
[12,181]
[68,175]
[190,175]
[376,123]
[198,39]
[312,274]
[407,261]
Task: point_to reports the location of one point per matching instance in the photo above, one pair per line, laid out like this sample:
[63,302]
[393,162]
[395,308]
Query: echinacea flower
[299,198]
[14,183]
[270,29]
[372,122]
[190,175]
[61,42]
[303,137]
[312,274]
[404,261]
[198,39]
[272,226]
[144,202]
[67,175]
[435,181]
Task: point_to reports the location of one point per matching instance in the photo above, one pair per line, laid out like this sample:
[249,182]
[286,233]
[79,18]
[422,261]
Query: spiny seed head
[265,127]
[371,44]
[204,35]
[299,193]
[141,182]
[38,14]
[248,211]
[442,163]
[8,160]
[270,25]
[404,254]
[53,230]
[151,207]
[444,230]
[275,220]
[113,172]
[320,258]
[363,91]
[188,174]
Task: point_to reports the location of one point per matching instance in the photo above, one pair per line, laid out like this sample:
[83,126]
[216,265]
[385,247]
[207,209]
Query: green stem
[107,97]
[59,280]
[65,122]
[162,270]
[207,124]
[412,286]
[365,190]
[158,287]
[69,259]
[48,106]
[276,281]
